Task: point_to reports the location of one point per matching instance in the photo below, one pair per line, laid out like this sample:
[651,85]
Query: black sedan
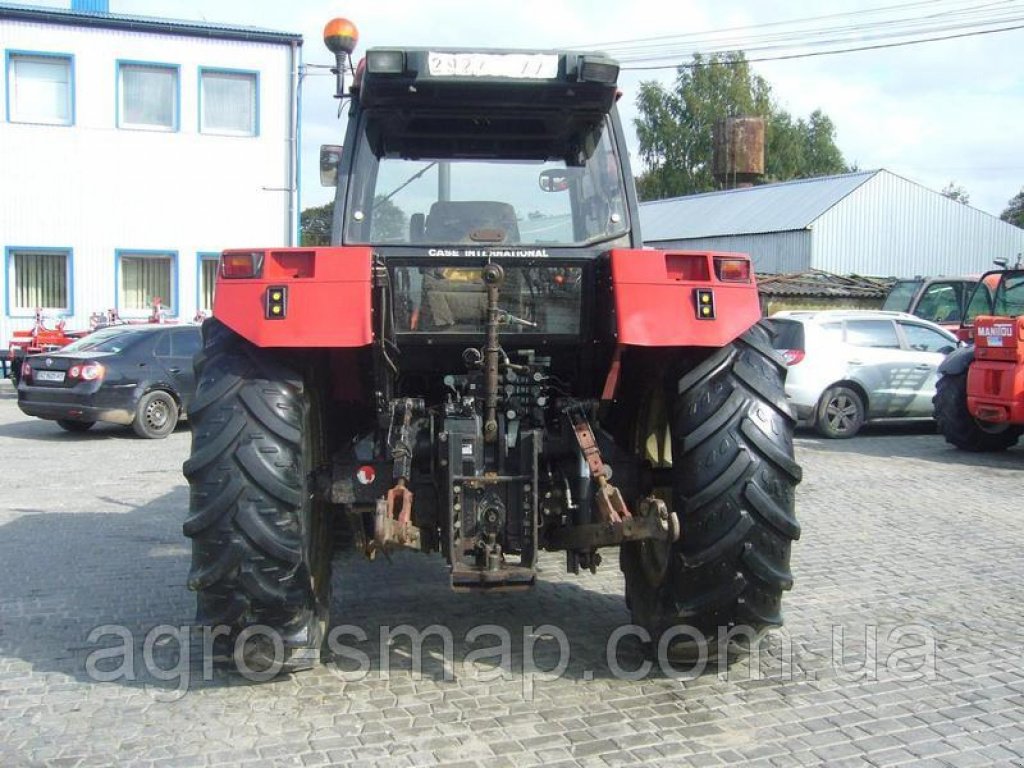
[128,374]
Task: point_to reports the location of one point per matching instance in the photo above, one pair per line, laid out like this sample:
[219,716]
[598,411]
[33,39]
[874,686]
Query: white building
[132,151]
[867,223]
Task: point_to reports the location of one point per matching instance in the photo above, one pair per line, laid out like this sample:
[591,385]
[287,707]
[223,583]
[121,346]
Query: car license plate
[49,375]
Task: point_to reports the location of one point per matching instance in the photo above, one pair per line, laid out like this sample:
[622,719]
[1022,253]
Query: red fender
[328,298]
[657,304]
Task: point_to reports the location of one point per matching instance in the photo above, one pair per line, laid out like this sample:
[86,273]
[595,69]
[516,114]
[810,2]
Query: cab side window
[941,303]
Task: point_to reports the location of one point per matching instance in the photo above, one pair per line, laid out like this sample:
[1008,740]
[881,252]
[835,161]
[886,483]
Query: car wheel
[74,426]
[840,413]
[156,415]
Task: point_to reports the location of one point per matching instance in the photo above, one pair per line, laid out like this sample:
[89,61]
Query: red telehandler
[979,398]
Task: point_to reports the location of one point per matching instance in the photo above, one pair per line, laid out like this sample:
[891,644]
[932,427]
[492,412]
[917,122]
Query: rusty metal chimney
[738,151]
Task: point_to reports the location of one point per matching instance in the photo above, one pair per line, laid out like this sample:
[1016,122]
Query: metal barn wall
[772,252]
[892,227]
[96,189]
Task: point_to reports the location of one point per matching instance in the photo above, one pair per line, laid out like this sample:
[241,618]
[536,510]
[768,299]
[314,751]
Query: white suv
[847,367]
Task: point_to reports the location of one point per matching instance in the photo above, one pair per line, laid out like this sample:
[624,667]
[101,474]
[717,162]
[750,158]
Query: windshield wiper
[409,181]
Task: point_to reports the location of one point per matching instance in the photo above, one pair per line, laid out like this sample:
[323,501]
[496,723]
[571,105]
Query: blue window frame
[206,279]
[229,101]
[39,278]
[40,87]
[148,95]
[142,275]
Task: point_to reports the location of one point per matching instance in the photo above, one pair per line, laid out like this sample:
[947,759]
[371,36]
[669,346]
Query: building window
[208,264]
[228,102]
[148,96]
[40,88]
[38,278]
[143,278]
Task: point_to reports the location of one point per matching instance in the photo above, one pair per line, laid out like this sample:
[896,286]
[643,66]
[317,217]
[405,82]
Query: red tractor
[979,398]
[462,370]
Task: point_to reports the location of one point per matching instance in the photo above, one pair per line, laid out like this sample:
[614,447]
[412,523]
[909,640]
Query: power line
[810,54]
[755,26]
[931,20]
[958,17]
[818,37]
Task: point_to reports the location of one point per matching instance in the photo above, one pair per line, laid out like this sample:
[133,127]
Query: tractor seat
[456,221]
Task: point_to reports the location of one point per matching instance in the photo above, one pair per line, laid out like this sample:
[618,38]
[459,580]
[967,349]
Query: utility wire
[978,14]
[810,54]
[753,26]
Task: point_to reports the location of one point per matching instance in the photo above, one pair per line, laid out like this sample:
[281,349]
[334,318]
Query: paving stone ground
[903,642]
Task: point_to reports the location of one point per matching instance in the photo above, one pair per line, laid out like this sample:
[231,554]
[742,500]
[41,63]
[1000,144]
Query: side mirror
[330,159]
[557,179]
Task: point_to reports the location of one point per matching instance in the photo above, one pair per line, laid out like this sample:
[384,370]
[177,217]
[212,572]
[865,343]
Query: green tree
[1014,212]
[315,225]
[389,222]
[675,128]
[955,192]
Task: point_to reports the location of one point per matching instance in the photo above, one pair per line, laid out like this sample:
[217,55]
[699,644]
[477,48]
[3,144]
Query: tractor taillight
[705,300]
[238,265]
[792,356]
[732,270]
[277,302]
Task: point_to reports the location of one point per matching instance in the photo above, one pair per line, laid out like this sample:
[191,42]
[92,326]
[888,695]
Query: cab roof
[487,79]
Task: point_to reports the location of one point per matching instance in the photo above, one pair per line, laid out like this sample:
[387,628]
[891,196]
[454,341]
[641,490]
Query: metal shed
[867,223]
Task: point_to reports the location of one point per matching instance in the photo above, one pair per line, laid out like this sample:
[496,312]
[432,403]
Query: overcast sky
[934,113]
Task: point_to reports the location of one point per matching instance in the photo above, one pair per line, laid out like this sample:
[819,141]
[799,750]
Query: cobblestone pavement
[903,641]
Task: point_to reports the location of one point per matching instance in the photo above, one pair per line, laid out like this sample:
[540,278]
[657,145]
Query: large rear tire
[957,424]
[261,544]
[734,478]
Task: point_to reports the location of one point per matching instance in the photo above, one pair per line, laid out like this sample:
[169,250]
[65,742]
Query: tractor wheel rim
[156,414]
[841,412]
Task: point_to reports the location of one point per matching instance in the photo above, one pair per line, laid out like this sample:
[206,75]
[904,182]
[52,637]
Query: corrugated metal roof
[151,24]
[784,207]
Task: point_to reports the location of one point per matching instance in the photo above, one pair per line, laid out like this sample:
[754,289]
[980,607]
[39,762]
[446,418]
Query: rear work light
[385,62]
[235,266]
[732,270]
[792,356]
[598,71]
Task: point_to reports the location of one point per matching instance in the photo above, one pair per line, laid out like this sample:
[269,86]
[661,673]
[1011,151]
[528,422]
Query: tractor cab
[457,159]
